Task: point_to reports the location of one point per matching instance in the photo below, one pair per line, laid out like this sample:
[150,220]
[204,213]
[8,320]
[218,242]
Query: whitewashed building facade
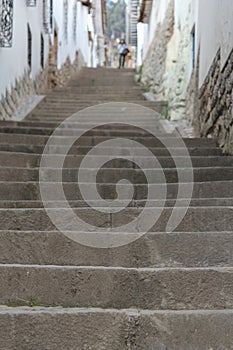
[43,41]
[186,48]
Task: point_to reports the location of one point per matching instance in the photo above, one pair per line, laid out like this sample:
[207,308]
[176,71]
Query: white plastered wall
[14,62]
[215,31]
[68,48]
[147,30]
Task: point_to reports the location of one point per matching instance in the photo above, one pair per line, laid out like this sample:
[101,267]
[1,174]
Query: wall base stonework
[13,97]
[215,104]
[47,80]
[60,77]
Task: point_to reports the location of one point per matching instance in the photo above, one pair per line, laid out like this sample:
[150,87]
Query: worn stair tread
[130,311]
[34,123]
[171,288]
[92,141]
[82,150]
[200,202]
[154,249]
[209,176]
[197,219]
[20,159]
[115,329]
[29,189]
[73,130]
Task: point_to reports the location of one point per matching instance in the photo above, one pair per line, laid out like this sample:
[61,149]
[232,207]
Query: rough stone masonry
[215,104]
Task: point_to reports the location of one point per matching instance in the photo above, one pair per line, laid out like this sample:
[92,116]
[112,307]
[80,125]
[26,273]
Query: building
[186,49]
[132,11]
[131,22]
[43,42]
[99,30]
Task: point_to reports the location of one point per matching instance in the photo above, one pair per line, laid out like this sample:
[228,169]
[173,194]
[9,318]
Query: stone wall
[175,81]
[48,79]
[215,104]
[154,64]
[167,67]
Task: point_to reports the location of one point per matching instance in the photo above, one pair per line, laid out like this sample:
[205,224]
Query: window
[51,15]
[42,51]
[6,23]
[193,37]
[29,48]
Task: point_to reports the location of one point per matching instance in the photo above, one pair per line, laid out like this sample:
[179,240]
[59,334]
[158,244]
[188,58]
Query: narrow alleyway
[165,290]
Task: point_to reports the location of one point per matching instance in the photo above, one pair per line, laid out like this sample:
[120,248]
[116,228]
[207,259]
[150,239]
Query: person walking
[123,52]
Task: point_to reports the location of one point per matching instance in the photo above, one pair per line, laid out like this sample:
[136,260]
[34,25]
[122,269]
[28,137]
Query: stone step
[118,288]
[176,249]
[31,125]
[67,100]
[102,90]
[56,112]
[90,72]
[28,203]
[69,103]
[92,141]
[72,86]
[61,118]
[118,165]
[107,110]
[51,99]
[97,97]
[95,329]
[197,219]
[89,98]
[116,78]
[102,84]
[60,114]
[69,128]
[205,175]
[98,82]
[72,131]
[162,152]
[139,176]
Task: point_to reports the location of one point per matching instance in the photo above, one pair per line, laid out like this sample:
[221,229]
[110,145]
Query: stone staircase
[162,291]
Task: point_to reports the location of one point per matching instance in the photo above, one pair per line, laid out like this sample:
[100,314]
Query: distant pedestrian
[123,52]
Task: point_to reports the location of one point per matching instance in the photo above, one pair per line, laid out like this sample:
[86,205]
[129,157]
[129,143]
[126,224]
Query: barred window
[65,19]
[48,16]
[6,23]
